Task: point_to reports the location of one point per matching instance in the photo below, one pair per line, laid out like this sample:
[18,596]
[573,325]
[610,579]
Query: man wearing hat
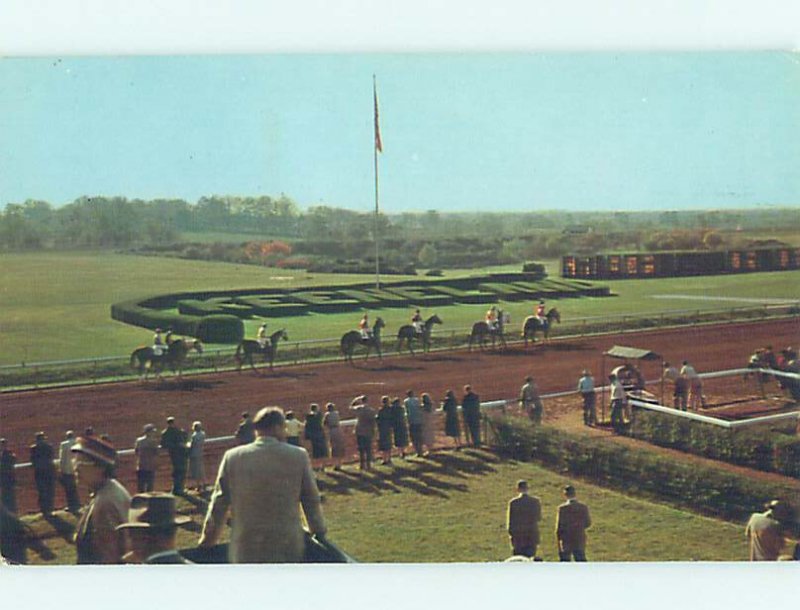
[146,450]
[530,401]
[151,530]
[67,476]
[8,477]
[264,483]
[174,440]
[586,390]
[96,536]
[765,531]
[572,521]
[44,472]
[522,521]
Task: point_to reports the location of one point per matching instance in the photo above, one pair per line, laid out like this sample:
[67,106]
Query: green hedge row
[637,471]
[209,329]
[759,449]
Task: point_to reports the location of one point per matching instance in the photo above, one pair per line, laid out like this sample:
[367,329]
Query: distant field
[57,305]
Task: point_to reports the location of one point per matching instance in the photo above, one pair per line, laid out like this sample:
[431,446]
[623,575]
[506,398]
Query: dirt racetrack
[217,400]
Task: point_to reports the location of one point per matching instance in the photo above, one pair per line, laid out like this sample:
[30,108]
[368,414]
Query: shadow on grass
[63,528]
[384,368]
[425,476]
[179,385]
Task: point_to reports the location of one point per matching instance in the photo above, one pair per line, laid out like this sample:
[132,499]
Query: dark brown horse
[249,348]
[408,334]
[532,325]
[481,332]
[354,338]
[144,358]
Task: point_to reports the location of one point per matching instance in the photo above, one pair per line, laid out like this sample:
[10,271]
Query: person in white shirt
[696,398]
[618,400]
[67,472]
[586,389]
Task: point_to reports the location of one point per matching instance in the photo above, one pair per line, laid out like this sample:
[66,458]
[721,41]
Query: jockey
[363,326]
[491,317]
[540,310]
[416,322]
[158,343]
[261,336]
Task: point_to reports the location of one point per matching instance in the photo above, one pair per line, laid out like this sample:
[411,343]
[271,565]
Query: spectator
[765,531]
[67,476]
[400,426]
[315,433]
[197,467]
[572,522]
[618,399]
[385,419]
[264,484]
[696,398]
[174,440]
[331,421]
[414,415]
[44,472]
[365,431]
[146,450]
[89,431]
[428,423]
[586,389]
[294,428]
[8,477]
[680,387]
[522,521]
[96,536]
[14,537]
[452,427]
[245,433]
[151,530]
[530,401]
[471,412]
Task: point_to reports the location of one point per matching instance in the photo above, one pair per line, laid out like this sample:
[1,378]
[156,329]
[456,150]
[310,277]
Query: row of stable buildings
[677,264]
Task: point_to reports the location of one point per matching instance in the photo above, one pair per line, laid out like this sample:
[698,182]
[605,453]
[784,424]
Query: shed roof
[632,353]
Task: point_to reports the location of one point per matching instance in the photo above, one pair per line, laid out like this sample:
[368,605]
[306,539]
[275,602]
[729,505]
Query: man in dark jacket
[174,440]
[245,433]
[44,472]
[8,478]
[471,412]
[151,530]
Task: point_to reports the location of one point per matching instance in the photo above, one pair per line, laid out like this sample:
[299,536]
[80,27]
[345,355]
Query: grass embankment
[451,508]
[56,306]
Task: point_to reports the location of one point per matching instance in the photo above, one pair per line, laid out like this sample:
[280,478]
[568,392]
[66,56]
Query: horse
[408,333]
[353,338]
[481,330]
[532,325]
[173,357]
[248,348]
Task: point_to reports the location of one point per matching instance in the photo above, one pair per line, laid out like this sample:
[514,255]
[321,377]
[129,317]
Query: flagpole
[375,147]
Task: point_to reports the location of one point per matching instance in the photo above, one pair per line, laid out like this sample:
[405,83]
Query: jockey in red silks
[416,322]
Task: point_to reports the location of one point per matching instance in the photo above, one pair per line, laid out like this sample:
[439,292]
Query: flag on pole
[378,143]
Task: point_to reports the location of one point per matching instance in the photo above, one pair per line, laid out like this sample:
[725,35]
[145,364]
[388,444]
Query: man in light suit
[571,524]
[522,521]
[264,483]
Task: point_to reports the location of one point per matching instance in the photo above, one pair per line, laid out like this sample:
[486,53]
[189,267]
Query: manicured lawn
[451,508]
[56,306]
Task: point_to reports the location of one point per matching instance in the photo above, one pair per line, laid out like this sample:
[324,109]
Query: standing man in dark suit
[471,412]
[151,530]
[174,440]
[44,472]
[571,524]
[522,521]
[8,477]
[245,433]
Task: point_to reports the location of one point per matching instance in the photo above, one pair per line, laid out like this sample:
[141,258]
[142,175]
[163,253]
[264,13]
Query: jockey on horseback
[491,318]
[416,322]
[261,336]
[363,326]
[540,311]
[158,343]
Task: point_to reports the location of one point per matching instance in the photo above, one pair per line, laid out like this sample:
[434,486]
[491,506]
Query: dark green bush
[220,329]
[637,471]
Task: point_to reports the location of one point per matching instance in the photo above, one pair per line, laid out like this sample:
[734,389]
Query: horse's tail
[134,358]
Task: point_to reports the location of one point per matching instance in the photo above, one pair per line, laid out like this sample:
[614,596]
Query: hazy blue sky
[460,132]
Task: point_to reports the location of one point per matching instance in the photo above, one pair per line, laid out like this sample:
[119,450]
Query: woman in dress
[385,419]
[197,469]
[331,423]
[315,433]
[400,426]
[452,427]
[428,423]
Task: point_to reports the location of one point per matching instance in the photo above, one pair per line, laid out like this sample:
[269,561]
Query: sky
[461,132]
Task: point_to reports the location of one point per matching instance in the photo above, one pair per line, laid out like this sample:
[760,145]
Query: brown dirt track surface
[217,400]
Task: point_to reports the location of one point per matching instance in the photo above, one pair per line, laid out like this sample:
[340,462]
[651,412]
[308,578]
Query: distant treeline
[325,234]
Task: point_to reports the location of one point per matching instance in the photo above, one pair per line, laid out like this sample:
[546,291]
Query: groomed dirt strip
[217,400]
